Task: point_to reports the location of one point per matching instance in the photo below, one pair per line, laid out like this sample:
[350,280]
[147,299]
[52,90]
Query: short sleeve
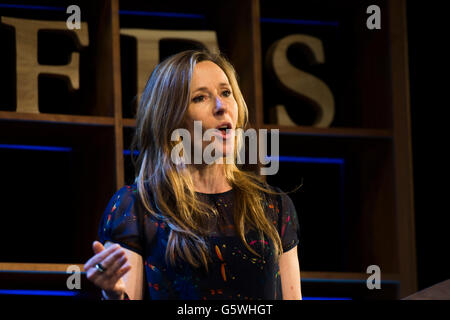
[120,221]
[288,225]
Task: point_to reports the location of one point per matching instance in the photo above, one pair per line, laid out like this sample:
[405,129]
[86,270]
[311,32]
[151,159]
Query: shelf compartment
[358,219]
[356,66]
[50,190]
[96,74]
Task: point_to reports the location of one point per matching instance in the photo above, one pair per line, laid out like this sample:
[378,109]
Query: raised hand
[106,269]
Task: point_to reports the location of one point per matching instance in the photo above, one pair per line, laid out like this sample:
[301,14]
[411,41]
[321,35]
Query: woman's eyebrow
[222,84]
[201,89]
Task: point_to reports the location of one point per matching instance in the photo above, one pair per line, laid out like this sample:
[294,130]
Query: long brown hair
[161,110]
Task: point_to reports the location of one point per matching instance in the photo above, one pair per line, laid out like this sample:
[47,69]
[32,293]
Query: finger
[108,244]
[121,272]
[111,263]
[111,260]
[97,247]
[115,266]
[100,256]
[108,280]
[93,276]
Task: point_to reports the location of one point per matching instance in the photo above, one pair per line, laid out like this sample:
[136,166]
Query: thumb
[97,247]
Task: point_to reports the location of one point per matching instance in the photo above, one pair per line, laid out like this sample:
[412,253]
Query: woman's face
[212,102]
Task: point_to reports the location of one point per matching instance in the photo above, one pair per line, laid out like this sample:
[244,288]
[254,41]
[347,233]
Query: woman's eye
[198,98]
[227,93]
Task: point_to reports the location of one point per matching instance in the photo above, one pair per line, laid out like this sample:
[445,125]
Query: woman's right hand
[114,261]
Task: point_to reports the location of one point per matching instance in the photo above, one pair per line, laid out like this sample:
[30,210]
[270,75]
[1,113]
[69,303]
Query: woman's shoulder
[122,220]
[279,200]
[126,195]
[128,199]
[128,189]
[275,192]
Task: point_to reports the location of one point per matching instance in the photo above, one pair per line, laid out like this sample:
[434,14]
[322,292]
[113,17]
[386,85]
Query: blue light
[339,161]
[40,293]
[35,148]
[162,14]
[122,12]
[128,152]
[301,22]
[31,7]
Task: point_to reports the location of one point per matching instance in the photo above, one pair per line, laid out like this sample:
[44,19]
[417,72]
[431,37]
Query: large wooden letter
[299,82]
[148,47]
[28,68]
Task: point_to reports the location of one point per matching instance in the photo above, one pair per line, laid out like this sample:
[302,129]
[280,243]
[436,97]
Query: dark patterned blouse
[234,273]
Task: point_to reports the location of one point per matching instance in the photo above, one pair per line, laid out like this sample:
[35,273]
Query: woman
[193,230]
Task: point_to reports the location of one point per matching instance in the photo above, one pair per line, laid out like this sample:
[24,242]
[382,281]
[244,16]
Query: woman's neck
[209,178]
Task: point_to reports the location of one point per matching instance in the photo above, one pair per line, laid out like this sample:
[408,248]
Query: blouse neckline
[215,194]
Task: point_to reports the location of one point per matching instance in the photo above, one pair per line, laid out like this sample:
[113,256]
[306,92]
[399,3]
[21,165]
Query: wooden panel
[108,96]
[377,213]
[372,70]
[402,148]
[58,267]
[55,118]
[117,92]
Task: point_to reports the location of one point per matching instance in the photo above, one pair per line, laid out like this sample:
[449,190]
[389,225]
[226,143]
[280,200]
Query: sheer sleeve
[120,221]
[288,225]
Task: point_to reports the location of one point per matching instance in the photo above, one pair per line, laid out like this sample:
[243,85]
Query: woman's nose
[219,106]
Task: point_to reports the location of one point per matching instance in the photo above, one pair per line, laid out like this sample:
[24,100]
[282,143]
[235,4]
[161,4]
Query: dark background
[428,65]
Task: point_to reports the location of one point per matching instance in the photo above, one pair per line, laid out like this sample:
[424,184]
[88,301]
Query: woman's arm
[290,275]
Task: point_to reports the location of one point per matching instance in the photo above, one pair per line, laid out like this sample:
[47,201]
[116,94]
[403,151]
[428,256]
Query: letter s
[300,83]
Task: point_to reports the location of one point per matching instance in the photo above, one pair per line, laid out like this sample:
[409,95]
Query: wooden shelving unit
[378,146]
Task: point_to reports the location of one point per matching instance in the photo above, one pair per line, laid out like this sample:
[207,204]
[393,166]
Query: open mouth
[225,130]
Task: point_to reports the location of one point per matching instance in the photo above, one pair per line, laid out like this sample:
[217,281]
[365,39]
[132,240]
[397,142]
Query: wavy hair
[161,110]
